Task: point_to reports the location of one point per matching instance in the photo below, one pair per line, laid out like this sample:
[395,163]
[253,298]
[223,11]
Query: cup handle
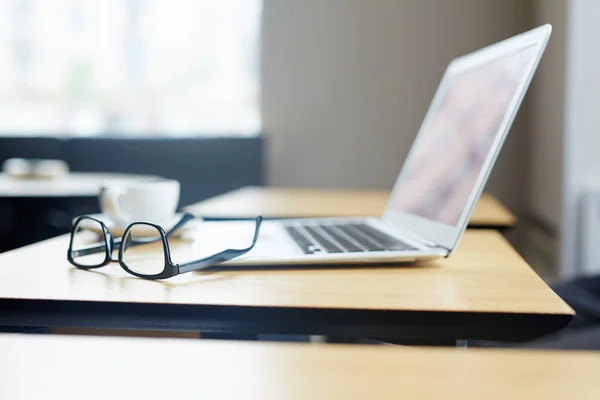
[110,199]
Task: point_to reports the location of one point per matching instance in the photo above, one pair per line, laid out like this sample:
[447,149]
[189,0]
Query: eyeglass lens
[143,250]
[89,246]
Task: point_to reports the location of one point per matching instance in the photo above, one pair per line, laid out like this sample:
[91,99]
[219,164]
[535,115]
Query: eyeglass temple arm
[222,256]
[98,248]
[184,220]
[89,250]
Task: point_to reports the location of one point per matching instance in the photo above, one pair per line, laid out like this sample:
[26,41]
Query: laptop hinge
[436,246]
[419,239]
[432,245]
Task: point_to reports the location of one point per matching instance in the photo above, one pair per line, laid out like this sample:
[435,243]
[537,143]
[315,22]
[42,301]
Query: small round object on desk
[17,168]
[49,169]
[20,168]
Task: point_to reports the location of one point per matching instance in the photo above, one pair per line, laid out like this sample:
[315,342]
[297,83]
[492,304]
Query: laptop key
[368,243]
[305,245]
[389,242]
[343,238]
[338,236]
[324,242]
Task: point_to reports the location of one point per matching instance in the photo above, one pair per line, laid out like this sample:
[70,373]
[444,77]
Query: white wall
[347,82]
[582,121]
[546,114]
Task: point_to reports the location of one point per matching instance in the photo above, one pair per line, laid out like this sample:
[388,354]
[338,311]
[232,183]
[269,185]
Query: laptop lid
[461,136]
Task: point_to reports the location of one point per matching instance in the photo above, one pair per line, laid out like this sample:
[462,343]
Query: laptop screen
[451,150]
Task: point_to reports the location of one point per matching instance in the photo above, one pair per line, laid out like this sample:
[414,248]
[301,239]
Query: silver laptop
[440,182]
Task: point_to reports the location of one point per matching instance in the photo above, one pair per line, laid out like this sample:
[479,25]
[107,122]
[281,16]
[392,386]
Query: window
[129,67]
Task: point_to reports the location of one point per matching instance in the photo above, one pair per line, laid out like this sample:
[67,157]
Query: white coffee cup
[153,201]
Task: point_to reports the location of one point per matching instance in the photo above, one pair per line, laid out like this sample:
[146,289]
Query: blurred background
[221,94]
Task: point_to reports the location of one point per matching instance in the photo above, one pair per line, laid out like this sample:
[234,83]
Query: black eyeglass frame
[170,268]
[109,244]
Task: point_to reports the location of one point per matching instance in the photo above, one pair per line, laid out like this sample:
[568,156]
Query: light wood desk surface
[50,367]
[274,202]
[485,278]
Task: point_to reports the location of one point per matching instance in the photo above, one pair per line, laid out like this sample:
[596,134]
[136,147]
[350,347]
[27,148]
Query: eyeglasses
[143,251]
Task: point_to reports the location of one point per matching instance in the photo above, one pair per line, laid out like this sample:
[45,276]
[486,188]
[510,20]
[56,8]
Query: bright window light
[129,67]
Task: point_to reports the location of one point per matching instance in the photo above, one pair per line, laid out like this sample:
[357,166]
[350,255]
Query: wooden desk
[273,202]
[485,290]
[50,367]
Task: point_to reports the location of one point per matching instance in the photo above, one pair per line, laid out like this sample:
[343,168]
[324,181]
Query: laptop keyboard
[315,237]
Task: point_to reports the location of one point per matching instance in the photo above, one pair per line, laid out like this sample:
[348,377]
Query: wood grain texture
[48,367]
[75,184]
[272,202]
[485,274]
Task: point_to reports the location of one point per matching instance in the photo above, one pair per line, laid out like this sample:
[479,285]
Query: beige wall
[546,100]
[346,84]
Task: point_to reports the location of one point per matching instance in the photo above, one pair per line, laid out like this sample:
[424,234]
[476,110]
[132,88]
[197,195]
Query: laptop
[438,186]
